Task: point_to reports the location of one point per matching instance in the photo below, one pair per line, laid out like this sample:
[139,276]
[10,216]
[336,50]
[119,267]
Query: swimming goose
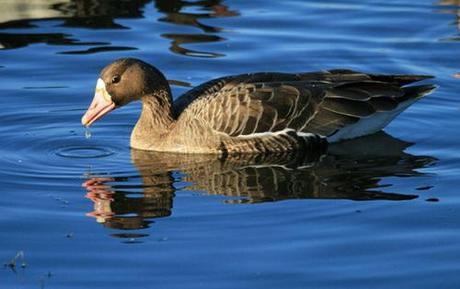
[253,113]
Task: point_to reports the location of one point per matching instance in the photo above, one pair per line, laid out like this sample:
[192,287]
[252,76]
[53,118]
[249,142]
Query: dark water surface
[377,212]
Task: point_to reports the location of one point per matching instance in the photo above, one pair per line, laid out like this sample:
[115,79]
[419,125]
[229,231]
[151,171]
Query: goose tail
[416,92]
[379,120]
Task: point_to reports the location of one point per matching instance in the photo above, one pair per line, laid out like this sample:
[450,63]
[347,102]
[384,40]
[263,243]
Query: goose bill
[101,105]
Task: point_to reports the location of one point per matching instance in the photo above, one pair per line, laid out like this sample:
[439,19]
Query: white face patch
[101,90]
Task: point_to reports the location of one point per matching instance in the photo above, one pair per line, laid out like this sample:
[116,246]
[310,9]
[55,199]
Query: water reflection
[209,9]
[175,14]
[96,14]
[179,39]
[99,14]
[75,13]
[453,9]
[351,170]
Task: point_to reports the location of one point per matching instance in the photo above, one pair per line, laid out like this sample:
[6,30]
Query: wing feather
[267,103]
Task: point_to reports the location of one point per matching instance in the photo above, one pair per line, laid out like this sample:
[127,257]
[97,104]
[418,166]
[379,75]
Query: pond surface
[87,212]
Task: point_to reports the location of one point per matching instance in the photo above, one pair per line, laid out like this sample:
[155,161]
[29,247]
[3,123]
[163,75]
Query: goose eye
[116,79]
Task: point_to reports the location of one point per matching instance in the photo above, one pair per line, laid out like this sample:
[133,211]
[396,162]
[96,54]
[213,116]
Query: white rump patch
[370,125]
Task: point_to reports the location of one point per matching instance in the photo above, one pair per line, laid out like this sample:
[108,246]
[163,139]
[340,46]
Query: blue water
[378,212]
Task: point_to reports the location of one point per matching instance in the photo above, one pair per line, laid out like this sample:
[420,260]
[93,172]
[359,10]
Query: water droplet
[87,133]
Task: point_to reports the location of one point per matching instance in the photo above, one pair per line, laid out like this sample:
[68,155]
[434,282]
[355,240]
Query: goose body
[253,113]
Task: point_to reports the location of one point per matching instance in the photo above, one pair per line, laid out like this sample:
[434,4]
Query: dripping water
[87,133]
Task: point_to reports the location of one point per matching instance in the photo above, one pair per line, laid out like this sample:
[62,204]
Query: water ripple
[83,152]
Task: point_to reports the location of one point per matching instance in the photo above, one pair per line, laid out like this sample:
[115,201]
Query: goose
[265,112]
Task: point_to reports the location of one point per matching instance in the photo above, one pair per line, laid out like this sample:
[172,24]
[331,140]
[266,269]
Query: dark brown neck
[155,120]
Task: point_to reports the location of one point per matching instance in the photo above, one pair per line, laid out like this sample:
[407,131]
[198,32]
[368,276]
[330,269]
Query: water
[378,212]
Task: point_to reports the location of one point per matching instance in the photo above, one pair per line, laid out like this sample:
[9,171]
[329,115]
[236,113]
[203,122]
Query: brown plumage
[253,113]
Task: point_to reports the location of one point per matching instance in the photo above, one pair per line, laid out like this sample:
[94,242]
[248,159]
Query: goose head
[121,82]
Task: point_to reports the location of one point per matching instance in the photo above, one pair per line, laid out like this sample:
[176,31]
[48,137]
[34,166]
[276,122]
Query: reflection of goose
[123,209]
[253,113]
[353,170]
